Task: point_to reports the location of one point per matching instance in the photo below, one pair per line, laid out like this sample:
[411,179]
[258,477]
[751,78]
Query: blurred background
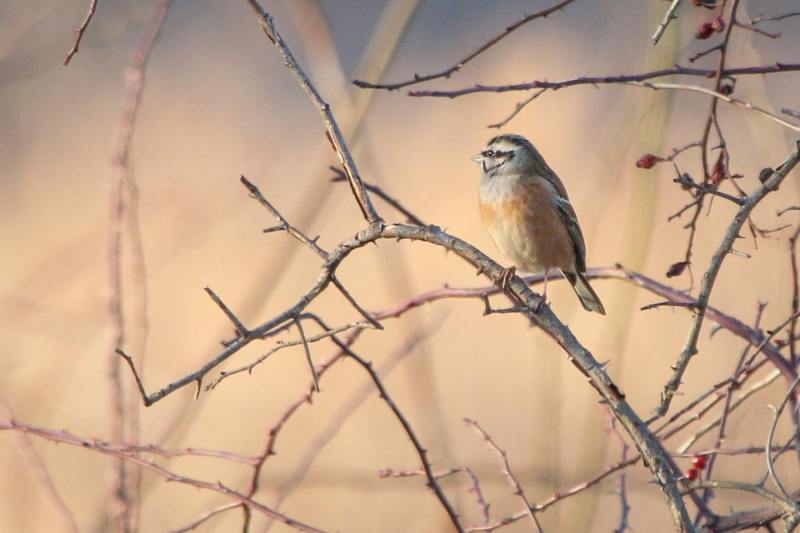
[217,104]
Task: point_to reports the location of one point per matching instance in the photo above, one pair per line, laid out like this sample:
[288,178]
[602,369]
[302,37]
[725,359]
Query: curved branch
[446,73]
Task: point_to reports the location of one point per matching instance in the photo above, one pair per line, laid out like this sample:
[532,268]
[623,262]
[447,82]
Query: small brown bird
[526,210]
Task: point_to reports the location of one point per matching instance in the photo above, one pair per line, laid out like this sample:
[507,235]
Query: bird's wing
[570,220]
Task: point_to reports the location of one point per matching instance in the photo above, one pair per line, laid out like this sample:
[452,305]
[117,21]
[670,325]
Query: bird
[526,210]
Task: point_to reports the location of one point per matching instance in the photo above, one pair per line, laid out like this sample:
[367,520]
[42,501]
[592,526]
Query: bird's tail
[587,296]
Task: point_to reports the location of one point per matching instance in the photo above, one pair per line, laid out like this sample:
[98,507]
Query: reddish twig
[65,437]
[124,424]
[40,473]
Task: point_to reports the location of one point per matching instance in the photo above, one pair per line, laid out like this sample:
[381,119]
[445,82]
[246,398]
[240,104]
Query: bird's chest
[506,217]
[522,224]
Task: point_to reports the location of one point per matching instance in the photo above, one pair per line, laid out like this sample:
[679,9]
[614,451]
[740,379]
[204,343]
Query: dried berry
[705,31]
[676,269]
[718,171]
[718,24]
[765,174]
[648,161]
[726,89]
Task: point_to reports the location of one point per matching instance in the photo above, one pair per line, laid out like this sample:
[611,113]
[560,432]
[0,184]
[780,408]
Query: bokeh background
[217,104]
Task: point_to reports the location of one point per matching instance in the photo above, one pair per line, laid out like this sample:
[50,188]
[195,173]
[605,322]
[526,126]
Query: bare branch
[308,354]
[332,127]
[609,80]
[80,31]
[668,16]
[200,520]
[768,448]
[240,328]
[507,471]
[65,437]
[690,348]
[411,218]
[733,101]
[446,73]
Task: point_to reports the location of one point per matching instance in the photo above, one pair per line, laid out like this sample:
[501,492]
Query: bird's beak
[478,158]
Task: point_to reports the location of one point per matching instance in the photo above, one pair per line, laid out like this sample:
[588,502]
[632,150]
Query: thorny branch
[690,347]
[648,442]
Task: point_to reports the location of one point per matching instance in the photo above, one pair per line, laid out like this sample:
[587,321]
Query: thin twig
[308,354]
[668,16]
[729,99]
[200,520]
[771,434]
[40,473]
[507,471]
[446,73]
[690,347]
[80,31]
[411,218]
[608,80]
[332,127]
[240,328]
[65,437]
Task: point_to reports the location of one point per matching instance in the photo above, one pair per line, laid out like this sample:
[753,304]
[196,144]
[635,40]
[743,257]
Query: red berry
[692,474]
[647,161]
[705,31]
[699,461]
[718,24]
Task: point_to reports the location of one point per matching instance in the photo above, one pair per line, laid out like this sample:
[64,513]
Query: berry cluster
[698,464]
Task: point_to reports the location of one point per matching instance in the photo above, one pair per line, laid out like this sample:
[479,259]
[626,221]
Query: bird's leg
[505,277]
[504,282]
[543,298]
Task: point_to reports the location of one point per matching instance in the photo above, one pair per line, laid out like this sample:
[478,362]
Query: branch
[771,434]
[507,471]
[609,80]
[690,347]
[733,101]
[668,16]
[64,437]
[39,471]
[332,127]
[446,73]
[80,30]
[411,218]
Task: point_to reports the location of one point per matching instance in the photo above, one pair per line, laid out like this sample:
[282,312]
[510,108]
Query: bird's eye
[490,153]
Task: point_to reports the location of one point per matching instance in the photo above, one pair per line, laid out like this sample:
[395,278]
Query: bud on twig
[648,161]
[705,31]
[676,269]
